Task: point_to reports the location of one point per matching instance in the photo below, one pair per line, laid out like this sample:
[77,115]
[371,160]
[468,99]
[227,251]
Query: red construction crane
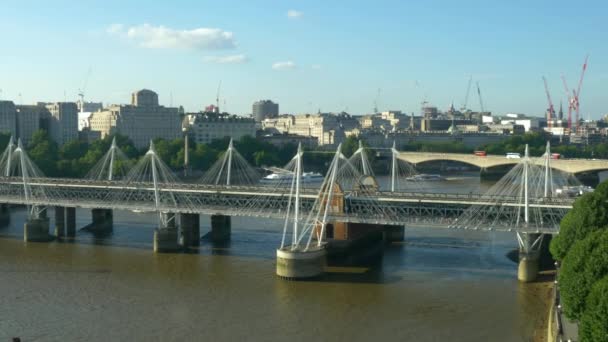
[578,93]
[551,110]
[570,100]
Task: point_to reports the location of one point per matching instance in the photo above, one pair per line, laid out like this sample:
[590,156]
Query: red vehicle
[480,153]
[555,156]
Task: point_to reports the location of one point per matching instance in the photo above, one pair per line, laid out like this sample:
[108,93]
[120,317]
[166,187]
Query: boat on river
[423,177]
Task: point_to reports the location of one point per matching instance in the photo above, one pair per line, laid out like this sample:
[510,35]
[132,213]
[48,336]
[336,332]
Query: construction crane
[217,97]
[551,110]
[82,90]
[480,99]
[570,100]
[578,93]
[466,97]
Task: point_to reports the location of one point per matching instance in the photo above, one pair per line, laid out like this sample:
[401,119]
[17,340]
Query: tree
[263,158]
[586,263]
[350,146]
[589,213]
[594,321]
[43,152]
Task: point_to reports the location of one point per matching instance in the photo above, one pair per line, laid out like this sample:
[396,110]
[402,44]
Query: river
[439,285]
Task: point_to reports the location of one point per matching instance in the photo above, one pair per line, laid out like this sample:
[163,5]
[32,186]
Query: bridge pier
[394,233]
[190,230]
[165,236]
[36,229]
[5,217]
[300,263]
[220,228]
[103,221]
[65,222]
[529,256]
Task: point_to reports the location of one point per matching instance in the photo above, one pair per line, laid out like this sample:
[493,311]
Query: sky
[307,55]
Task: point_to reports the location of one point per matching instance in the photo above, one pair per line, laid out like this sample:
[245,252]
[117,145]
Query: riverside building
[143,120]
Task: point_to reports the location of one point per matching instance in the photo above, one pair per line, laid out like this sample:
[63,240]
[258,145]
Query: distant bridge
[571,166]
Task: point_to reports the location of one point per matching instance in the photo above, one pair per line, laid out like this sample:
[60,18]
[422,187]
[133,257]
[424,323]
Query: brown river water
[439,285]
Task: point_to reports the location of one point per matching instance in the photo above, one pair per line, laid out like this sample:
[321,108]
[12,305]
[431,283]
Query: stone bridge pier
[190,233]
[103,221]
[65,222]
[5,217]
[221,228]
[165,236]
[529,256]
[36,229]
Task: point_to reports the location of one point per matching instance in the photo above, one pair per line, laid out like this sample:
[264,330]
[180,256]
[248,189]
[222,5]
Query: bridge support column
[5,217]
[220,228]
[165,236]
[37,229]
[103,220]
[70,222]
[59,222]
[394,233]
[301,264]
[190,230]
[529,253]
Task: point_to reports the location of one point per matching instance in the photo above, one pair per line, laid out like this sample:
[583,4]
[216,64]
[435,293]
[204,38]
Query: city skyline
[306,56]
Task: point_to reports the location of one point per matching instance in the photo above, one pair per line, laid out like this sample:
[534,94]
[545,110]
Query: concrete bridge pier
[529,256]
[394,233]
[301,264]
[36,229]
[103,221]
[220,228]
[190,230]
[5,217]
[65,222]
[165,236]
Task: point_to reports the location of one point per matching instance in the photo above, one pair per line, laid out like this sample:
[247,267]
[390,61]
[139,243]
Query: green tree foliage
[589,213]
[350,145]
[585,264]
[43,152]
[594,321]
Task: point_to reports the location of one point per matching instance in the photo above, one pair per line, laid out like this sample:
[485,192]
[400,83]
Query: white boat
[287,177]
[423,177]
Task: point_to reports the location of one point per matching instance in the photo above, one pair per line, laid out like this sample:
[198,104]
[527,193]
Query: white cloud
[232,59]
[293,14]
[287,65]
[161,37]
[315,67]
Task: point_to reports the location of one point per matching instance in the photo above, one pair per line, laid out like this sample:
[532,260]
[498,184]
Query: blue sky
[307,55]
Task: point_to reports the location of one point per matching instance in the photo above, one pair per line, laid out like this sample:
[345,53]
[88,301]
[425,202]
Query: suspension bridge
[348,199]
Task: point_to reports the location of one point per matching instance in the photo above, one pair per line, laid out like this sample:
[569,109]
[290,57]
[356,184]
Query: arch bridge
[571,166]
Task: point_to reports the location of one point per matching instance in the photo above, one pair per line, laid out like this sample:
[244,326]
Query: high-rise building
[63,122]
[7,117]
[143,120]
[265,109]
[28,120]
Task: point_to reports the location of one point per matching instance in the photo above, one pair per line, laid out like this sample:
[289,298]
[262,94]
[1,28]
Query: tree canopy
[594,321]
[585,264]
[589,213]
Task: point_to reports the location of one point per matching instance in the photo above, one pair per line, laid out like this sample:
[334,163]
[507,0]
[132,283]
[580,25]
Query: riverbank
[542,289]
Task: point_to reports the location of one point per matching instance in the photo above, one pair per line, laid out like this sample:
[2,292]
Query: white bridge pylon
[331,203]
[401,174]
[112,166]
[15,162]
[531,185]
[150,170]
[231,169]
